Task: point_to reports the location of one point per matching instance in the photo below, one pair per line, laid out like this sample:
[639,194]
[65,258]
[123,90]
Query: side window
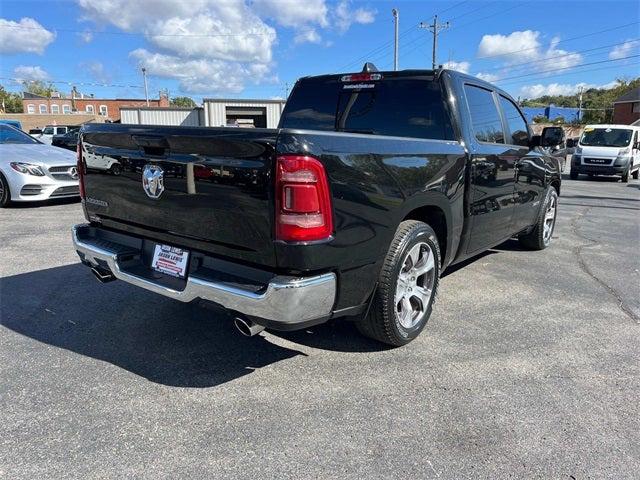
[43,108]
[485,118]
[48,131]
[515,122]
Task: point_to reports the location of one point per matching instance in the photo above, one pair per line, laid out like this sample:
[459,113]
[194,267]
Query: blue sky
[255,48]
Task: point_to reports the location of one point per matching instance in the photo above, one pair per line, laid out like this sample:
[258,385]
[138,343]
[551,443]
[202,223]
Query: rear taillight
[303,200]
[81,170]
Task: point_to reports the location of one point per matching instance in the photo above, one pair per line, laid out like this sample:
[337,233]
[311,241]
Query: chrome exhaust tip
[103,276]
[247,327]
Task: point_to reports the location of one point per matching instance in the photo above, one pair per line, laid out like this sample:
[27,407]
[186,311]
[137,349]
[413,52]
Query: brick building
[109,108]
[626,108]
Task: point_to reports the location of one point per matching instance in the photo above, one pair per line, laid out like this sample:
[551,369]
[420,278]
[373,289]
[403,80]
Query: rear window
[396,106]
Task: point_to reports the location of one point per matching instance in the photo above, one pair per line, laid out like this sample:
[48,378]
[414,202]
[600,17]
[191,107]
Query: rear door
[493,165]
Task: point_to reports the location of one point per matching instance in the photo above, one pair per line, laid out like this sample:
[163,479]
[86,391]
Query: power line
[71,83]
[568,68]
[484,5]
[544,77]
[98,32]
[562,41]
[452,6]
[518,5]
[546,59]
[378,49]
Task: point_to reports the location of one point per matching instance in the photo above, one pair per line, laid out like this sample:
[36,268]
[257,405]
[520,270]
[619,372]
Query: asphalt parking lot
[530,367]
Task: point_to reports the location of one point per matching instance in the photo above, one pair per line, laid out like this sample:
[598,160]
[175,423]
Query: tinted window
[11,135]
[516,124]
[48,131]
[485,118]
[397,106]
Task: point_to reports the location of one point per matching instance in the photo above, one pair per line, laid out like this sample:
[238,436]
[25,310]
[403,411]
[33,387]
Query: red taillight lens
[303,200]
[81,170]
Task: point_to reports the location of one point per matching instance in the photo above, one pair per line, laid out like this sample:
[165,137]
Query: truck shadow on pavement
[162,340]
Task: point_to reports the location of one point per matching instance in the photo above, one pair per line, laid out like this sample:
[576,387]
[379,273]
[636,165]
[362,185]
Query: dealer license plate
[170,260]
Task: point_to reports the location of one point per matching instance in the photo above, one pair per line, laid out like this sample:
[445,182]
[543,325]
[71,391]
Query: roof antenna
[369,67]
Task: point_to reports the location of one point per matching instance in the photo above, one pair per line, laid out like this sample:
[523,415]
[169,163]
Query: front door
[493,165]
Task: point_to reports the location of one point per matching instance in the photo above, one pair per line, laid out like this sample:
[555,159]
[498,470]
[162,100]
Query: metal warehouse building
[187,117]
[215,113]
[259,113]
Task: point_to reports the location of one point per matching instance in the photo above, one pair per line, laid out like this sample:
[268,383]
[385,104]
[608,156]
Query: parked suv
[607,150]
[372,185]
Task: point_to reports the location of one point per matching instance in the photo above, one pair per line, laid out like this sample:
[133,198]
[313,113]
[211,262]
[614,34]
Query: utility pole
[434,28]
[146,93]
[580,104]
[396,21]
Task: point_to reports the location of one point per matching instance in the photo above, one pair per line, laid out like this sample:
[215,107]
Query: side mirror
[552,136]
[571,143]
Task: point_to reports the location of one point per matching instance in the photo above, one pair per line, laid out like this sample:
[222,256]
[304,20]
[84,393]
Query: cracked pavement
[529,367]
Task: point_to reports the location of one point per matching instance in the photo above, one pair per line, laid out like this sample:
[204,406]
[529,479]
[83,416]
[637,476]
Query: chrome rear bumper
[285,300]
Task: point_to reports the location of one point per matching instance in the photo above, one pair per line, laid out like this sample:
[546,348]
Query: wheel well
[435,218]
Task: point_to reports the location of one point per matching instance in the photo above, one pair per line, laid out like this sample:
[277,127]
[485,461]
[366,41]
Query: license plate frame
[170,260]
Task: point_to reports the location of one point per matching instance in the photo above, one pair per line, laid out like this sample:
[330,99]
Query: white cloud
[294,13]
[201,75]
[207,45]
[525,46]
[24,73]
[86,36]
[25,36]
[539,90]
[307,36]
[345,17]
[628,48]
[487,77]
[458,66]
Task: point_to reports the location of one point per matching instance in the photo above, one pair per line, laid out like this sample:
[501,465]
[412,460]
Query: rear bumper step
[283,302]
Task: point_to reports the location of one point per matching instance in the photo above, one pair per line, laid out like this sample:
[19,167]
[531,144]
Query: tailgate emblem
[153,181]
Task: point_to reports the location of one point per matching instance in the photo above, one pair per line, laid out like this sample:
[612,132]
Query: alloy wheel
[549,220]
[414,288]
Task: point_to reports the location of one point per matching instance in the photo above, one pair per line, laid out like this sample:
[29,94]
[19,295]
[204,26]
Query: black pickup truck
[373,184]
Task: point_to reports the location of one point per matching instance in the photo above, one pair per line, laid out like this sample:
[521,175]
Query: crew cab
[607,150]
[372,185]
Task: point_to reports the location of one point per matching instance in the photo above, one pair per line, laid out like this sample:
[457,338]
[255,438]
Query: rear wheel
[540,237]
[635,174]
[5,193]
[573,175]
[116,169]
[407,286]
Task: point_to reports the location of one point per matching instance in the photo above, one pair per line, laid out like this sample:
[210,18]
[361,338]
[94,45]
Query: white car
[33,171]
[49,131]
[607,150]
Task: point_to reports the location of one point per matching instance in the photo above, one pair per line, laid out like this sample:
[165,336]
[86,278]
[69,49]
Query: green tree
[38,87]
[12,101]
[182,102]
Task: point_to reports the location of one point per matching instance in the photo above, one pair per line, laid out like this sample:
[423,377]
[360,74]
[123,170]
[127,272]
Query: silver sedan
[33,171]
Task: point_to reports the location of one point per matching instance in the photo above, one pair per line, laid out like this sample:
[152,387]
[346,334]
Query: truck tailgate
[207,189]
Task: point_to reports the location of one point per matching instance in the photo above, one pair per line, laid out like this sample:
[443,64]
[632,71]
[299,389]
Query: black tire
[539,238]
[5,193]
[383,323]
[635,174]
[116,169]
[573,175]
[625,177]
